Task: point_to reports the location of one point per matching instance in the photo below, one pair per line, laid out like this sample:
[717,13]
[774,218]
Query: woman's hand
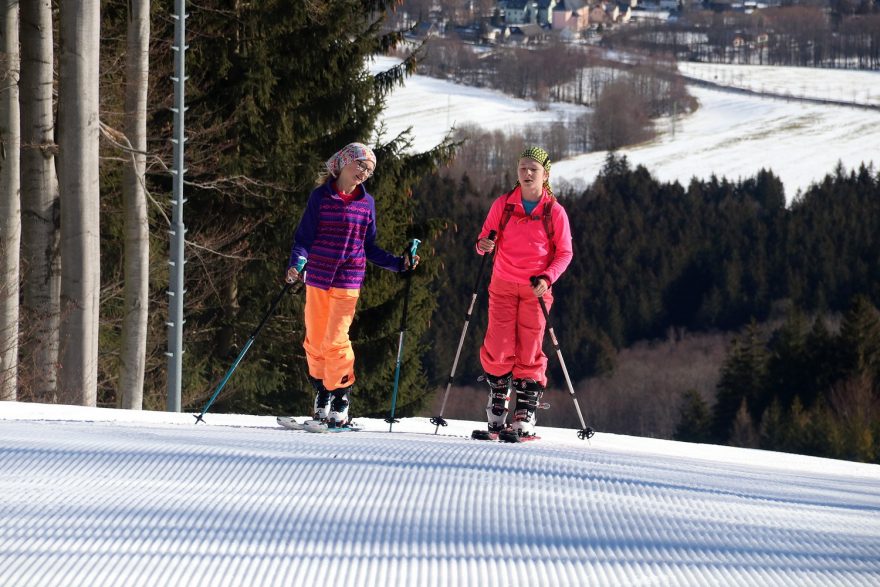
[415,262]
[292,275]
[486,245]
[540,286]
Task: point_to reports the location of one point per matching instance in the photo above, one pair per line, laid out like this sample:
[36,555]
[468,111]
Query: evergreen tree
[695,422]
[774,430]
[744,433]
[742,382]
[275,89]
[860,339]
[788,368]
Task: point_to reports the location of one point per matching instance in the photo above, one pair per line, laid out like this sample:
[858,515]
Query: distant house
[571,15]
[544,11]
[425,30]
[527,34]
[643,15]
[492,35]
[517,12]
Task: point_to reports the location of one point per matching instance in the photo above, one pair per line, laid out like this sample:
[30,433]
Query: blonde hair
[323,176]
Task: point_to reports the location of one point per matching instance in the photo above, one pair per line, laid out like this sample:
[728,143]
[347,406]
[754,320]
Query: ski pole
[585,431]
[250,341]
[438,420]
[410,253]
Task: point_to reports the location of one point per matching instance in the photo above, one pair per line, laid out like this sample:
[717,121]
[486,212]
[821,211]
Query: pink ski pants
[515,332]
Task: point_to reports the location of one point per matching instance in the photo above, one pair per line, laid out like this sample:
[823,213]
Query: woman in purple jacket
[337,236]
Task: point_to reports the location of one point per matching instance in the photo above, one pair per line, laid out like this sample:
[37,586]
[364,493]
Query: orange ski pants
[329,314]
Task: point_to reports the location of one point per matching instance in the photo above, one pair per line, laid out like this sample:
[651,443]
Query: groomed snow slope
[107,497]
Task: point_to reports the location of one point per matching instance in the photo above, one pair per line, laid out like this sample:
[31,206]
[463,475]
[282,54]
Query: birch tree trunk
[78,134]
[137,243]
[10,201]
[41,261]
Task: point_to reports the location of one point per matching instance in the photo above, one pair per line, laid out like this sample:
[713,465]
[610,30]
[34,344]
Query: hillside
[731,134]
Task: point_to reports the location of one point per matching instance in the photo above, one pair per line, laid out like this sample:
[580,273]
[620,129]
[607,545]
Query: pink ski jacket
[523,248]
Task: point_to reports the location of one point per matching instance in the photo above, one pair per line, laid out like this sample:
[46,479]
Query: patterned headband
[539,155]
[350,152]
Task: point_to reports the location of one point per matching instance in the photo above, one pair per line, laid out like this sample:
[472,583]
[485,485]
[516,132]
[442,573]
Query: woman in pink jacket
[534,240]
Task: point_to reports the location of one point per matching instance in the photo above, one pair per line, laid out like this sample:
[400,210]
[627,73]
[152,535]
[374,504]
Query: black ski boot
[528,395]
[338,417]
[499,399]
[322,400]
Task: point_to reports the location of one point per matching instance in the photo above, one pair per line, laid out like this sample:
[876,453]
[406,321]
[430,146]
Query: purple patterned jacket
[338,239]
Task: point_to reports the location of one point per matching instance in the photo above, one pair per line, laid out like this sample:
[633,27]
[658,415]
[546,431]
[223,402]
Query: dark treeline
[802,389]
[653,258]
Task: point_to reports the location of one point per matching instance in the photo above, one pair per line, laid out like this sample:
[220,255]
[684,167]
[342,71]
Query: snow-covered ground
[861,87]
[734,136]
[731,135]
[110,497]
[432,106]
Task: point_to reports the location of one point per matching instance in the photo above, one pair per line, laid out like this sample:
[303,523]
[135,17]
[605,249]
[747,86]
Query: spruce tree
[695,421]
[742,382]
[860,339]
[275,88]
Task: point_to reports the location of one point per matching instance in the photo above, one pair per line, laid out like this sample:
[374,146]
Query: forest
[794,287]
[273,89]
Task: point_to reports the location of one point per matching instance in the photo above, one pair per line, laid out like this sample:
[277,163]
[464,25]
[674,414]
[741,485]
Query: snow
[845,85]
[111,497]
[735,136]
[731,135]
[431,107]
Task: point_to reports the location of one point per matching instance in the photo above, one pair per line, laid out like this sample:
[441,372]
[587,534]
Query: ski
[513,436]
[314,425]
[321,427]
[484,435]
[289,423]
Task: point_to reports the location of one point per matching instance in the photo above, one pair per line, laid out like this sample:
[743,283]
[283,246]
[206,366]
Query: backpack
[546,218]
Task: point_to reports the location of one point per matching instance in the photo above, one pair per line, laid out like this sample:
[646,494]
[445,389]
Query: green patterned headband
[539,155]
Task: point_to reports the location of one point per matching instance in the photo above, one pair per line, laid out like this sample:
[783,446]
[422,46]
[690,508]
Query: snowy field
[432,106]
[734,136]
[861,87]
[730,135]
[109,497]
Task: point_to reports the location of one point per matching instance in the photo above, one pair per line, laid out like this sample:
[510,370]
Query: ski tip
[289,423]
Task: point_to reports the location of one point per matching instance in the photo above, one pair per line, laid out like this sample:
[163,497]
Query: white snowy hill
[97,497]
[731,135]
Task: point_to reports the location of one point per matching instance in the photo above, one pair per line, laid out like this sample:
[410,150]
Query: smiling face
[531,174]
[354,173]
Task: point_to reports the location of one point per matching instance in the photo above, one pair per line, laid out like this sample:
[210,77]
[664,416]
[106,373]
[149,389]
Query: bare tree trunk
[40,220]
[78,134]
[10,200]
[137,243]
